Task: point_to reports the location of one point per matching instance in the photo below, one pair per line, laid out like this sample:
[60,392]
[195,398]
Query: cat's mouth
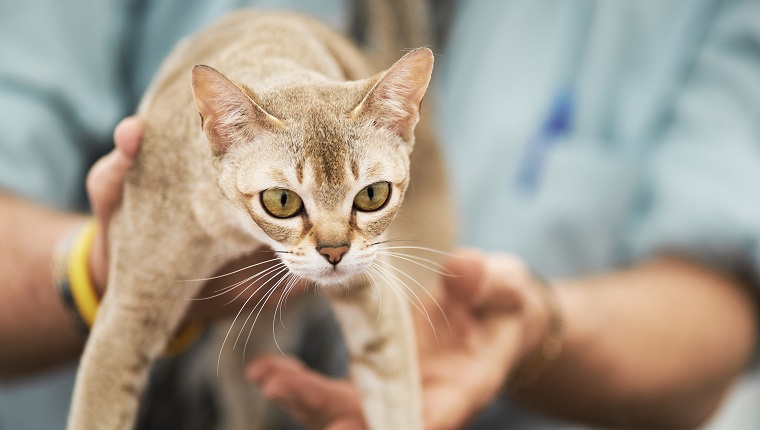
[334,275]
[329,276]
[322,272]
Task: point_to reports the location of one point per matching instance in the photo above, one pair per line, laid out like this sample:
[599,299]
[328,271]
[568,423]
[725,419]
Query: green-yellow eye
[372,197]
[281,203]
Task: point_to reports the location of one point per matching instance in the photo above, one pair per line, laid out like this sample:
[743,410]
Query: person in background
[614,149]
[616,153]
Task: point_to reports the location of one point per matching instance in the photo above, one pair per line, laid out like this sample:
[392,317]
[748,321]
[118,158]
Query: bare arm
[35,330]
[655,346]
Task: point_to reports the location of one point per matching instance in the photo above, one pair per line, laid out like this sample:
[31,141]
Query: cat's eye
[281,203]
[372,197]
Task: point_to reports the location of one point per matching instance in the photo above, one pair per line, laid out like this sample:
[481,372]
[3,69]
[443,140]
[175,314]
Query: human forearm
[654,346]
[35,330]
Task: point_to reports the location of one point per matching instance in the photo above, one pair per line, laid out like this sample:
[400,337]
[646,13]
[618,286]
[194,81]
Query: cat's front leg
[380,339]
[130,333]
[140,312]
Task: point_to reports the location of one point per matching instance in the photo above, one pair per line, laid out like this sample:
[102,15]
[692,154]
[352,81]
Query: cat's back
[247,38]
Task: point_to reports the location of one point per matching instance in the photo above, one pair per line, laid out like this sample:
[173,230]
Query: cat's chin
[328,278]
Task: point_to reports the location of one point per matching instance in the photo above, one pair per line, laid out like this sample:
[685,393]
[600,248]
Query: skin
[637,349]
[36,331]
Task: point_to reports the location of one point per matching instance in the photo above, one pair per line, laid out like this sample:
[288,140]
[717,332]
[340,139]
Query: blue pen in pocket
[556,124]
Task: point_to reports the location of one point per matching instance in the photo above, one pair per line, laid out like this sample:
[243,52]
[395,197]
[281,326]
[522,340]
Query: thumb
[105,182]
[483,281]
[106,178]
[465,274]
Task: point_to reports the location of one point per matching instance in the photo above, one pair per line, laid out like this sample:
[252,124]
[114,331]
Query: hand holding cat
[104,187]
[496,317]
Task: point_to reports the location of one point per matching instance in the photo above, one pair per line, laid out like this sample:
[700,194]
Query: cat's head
[319,170]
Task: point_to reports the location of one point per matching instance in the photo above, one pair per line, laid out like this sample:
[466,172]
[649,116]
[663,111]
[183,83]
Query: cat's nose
[333,254]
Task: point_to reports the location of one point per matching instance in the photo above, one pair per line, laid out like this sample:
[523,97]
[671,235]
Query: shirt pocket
[573,221]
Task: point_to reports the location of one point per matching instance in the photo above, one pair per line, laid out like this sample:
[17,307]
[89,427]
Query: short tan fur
[287,107]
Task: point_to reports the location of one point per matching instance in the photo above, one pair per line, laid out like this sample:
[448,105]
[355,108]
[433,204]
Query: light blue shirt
[587,135]
[662,151]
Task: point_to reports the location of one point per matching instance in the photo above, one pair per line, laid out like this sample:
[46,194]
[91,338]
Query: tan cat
[301,149]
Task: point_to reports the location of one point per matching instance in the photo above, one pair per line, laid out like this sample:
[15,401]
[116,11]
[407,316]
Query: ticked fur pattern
[285,103]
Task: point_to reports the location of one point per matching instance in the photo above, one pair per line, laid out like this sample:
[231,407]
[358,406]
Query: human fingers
[104,185]
[445,408]
[484,299]
[128,134]
[105,180]
[465,274]
[483,281]
[319,402]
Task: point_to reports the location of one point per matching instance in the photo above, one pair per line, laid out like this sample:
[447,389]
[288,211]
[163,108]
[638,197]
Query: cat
[301,147]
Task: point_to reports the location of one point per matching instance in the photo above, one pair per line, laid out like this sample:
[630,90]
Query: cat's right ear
[394,100]
[228,114]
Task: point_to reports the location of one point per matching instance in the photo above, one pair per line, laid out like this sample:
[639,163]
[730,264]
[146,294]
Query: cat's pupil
[283,199]
[370,192]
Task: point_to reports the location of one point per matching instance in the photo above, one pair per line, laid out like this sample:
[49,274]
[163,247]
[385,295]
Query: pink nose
[333,254]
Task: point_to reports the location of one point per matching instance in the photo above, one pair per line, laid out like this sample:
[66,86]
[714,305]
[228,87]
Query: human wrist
[72,277]
[543,333]
[80,294]
[34,329]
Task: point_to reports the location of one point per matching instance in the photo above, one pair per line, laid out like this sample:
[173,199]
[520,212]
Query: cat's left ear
[228,114]
[394,100]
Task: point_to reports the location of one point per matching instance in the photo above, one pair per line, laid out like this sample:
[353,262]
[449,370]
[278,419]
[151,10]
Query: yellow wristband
[82,289]
[87,301]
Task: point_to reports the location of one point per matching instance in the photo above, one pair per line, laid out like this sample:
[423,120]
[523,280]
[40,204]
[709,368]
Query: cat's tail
[390,28]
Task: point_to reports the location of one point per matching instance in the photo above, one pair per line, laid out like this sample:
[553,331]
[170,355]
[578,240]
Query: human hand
[105,182]
[497,316]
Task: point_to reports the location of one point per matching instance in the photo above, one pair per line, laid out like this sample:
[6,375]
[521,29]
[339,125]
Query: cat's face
[318,171]
[321,191]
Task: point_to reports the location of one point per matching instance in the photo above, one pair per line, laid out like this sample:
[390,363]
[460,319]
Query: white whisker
[238,254]
[270,291]
[293,279]
[415,257]
[221,349]
[412,259]
[400,239]
[256,278]
[422,248]
[421,308]
[230,273]
[379,290]
[252,279]
[407,315]
[395,291]
[422,287]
